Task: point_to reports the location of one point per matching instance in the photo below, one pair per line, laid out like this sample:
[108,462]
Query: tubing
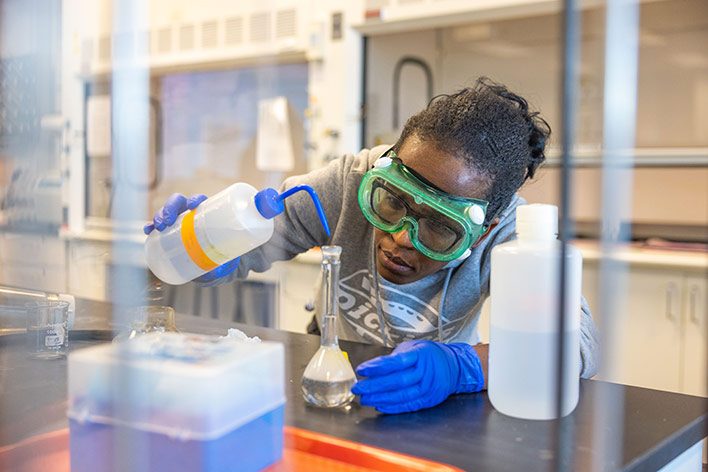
[315,200]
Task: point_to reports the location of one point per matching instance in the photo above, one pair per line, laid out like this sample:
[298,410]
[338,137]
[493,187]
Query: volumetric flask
[329,377]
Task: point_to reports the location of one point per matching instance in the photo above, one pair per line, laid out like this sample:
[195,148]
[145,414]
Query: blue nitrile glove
[175,205]
[417,375]
[222,271]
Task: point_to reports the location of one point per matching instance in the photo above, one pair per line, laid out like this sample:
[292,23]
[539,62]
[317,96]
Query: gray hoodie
[444,306]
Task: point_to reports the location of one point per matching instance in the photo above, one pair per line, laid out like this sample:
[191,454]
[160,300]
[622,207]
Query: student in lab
[417,223]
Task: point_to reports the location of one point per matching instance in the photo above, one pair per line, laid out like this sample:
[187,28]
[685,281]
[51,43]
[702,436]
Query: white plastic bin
[174,401]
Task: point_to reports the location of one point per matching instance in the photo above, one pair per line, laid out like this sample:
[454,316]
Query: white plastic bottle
[523,346]
[225,226]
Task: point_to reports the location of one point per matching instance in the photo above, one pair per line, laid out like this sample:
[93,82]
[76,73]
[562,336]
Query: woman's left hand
[418,374]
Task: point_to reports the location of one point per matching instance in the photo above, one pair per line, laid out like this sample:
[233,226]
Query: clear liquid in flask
[329,376]
[328,379]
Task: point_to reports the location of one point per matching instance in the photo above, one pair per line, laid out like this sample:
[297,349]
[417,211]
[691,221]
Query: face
[396,259]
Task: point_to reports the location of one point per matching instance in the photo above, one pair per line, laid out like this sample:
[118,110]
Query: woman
[417,223]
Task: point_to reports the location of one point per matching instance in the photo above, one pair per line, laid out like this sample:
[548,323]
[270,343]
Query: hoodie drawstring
[441,319]
[379,307]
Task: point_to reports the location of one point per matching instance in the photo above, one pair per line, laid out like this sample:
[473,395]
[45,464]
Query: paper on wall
[274,143]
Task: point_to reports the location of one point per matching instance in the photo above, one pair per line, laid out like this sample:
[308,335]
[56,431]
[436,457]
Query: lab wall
[524,54]
[682,202]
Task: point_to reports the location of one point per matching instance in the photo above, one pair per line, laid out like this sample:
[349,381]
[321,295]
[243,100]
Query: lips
[397,260]
[394,263]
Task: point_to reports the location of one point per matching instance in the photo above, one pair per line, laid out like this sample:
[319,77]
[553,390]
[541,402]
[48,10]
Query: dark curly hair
[492,129]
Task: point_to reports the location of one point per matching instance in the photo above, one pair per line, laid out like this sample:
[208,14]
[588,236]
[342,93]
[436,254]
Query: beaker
[48,329]
[329,376]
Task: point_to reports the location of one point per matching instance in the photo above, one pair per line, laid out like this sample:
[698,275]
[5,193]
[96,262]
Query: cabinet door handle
[693,304]
[670,293]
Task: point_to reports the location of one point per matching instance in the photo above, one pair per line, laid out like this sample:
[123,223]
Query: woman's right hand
[174,206]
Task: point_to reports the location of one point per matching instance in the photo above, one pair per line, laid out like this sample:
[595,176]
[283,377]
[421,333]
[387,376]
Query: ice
[239,335]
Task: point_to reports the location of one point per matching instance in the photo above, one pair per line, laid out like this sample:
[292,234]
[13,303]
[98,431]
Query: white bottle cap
[537,221]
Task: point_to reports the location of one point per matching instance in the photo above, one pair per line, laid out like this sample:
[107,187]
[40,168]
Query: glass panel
[109,109]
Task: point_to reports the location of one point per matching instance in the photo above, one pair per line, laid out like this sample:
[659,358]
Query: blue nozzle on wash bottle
[270,203]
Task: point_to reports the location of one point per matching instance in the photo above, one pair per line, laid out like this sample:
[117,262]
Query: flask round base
[327,394]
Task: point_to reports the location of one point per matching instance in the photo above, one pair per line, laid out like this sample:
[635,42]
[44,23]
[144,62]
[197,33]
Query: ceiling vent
[260,27]
[164,40]
[233,31]
[210,34]
[186,37]
[285,24]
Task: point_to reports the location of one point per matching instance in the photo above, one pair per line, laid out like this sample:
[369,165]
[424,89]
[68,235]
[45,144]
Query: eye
[388,206]
[393,202]
[437,227]
[436,235]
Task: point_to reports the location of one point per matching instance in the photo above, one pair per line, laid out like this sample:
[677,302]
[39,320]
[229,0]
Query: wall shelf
[200,64]
[640,157]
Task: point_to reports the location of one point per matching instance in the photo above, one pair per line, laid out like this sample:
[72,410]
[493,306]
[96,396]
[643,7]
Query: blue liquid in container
[99,447]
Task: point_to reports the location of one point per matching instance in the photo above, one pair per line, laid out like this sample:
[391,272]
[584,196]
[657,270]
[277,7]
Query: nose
[402,239]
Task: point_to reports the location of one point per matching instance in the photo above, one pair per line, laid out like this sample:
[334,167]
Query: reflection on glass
[148,319]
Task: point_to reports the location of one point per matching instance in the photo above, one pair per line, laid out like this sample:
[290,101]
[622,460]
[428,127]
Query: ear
[486,233]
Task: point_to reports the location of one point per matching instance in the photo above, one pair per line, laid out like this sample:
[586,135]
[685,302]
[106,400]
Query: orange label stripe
[191,244]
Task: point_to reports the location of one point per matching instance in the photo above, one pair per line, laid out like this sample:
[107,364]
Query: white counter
[646,256]
[102,235]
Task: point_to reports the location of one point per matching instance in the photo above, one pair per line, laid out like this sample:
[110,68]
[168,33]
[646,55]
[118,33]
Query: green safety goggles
[440,226]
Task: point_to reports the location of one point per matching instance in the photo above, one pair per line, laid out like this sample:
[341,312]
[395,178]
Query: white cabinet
[648,330]
[659,328]
[695,336]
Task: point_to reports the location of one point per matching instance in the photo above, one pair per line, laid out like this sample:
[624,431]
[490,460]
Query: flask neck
[330,290]
[329,332]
